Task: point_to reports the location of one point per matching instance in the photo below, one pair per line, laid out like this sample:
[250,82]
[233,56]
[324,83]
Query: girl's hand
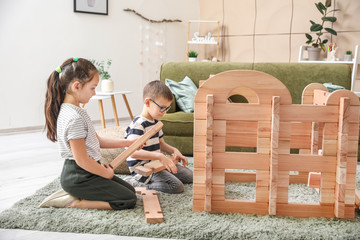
[168,163]
[130,142]
[109,171]
[178,157]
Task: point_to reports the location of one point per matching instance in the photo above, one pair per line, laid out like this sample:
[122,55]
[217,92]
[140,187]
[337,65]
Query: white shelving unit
[355,61]
[189,42]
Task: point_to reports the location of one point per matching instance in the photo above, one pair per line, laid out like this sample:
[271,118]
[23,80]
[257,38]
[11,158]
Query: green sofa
[178,126]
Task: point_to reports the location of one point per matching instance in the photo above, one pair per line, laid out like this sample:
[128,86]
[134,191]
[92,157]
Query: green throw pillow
[332,87]
[184,93]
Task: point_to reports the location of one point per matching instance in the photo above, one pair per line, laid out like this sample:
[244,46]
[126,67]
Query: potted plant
[192,56]
[348,56]
[107,85]
[318,44]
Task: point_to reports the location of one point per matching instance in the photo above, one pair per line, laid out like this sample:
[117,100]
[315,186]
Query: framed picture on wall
[91,6]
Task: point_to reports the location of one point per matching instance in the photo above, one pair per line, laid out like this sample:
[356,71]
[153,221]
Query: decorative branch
[150,20]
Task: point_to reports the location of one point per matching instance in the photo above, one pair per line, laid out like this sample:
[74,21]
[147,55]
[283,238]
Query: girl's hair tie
[75,59]
[58,69]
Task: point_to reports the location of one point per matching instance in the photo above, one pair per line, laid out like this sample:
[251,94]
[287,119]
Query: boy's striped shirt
[139,126]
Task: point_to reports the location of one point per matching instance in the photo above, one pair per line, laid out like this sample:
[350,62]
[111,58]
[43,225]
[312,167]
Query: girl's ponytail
[54,97]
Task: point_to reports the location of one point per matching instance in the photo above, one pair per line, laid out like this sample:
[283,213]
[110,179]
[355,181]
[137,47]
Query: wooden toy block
[144,171]
[314,180]
[138,143]
[155,166]
[327,196]
[320,97]
[309,91]
[357,198]
[149,168]
[152,208]
[325,129]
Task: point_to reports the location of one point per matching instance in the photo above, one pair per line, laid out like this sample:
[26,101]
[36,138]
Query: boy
[157,99]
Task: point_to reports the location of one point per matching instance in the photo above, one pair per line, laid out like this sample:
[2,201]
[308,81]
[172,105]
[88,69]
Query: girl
[87,183]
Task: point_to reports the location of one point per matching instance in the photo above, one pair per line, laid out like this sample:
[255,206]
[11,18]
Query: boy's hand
[169,164]
[178,157]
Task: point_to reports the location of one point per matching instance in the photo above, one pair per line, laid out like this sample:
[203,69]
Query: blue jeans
[167,182]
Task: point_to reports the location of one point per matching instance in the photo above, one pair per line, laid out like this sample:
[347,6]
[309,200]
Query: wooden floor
[29,161]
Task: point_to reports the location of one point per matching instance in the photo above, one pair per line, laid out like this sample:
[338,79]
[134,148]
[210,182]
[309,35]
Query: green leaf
[330,19]
[332,31]
[328,3]
[319,8]
[321,5]
[309,42]
[325,41]
[312,22]
[308,36]
[316,27]
[319,34]
[322,47]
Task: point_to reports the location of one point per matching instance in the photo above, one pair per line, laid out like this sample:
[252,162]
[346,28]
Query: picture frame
[91,6]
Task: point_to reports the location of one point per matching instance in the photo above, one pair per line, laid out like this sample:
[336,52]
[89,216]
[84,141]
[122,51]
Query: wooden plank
[305,210]
[304,162]
[236,206]
[241,140]
[240,176]
[243,112]
[309,113]
[340,186]
[241,160]
[152,208]
[138,143]
[208,149]
[275,124]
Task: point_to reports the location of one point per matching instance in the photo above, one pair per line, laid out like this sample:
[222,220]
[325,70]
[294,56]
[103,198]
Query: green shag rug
[180,222]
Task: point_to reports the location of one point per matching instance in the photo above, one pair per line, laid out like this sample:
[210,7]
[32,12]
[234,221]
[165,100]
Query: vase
[107,85]
[314,53]
[347,57]
[192,59]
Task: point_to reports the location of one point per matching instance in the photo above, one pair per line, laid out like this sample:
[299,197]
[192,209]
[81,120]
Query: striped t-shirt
[74,123]
[136,129]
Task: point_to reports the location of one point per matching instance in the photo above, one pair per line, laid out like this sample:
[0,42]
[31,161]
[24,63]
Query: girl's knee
[123,204]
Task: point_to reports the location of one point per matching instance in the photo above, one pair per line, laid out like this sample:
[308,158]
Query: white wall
[38,35]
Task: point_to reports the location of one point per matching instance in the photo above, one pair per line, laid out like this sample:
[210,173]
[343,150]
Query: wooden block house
[324,129]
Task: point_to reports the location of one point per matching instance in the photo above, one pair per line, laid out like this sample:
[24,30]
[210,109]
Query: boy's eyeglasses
[162,109]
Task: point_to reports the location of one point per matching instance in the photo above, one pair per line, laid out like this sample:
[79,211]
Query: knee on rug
[123,204]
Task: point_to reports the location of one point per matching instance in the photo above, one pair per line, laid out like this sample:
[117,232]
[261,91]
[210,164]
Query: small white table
[106,95]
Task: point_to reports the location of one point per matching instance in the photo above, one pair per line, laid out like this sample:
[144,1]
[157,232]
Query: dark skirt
[85,185]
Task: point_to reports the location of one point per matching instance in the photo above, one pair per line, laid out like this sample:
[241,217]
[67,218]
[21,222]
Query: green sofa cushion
[178,124]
